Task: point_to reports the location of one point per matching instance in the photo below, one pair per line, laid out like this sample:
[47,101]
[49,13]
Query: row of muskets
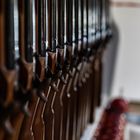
[50,66]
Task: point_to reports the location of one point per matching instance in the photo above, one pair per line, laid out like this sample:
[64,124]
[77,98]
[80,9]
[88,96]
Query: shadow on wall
[109,60]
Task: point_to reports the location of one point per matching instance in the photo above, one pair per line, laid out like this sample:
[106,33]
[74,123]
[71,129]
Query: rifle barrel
[41,27]
[26,30]
[52,25]
[9,34]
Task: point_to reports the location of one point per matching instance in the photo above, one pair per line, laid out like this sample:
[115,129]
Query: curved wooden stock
[63,105]
[38,125]
[57,111]
[48,116]
[71,107]
[26,132]
[64,112]
[66,108]
[25,67]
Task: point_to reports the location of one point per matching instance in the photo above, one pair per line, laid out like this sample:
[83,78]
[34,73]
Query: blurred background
[121,70]
[122,58]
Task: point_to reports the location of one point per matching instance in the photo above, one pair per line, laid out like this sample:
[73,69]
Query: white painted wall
[126,78]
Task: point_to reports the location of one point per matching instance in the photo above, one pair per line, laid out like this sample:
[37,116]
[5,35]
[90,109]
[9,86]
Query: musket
[69,53]
[77,87]
[83,80]
[58,103]
[99,49]
[83,74]
[103,20]
[75,68]
[81,77]
[52,96]
[7,65]
[25,62]
[53,72]
[71,72]
[86,50]
[98,55]
[107,22]
[39,74]
[89,59]
[41,81]
[94,43]
[97,59]
[97,24]
[54,68]
[94,60]
[60,74]
[103,25]
[69,40]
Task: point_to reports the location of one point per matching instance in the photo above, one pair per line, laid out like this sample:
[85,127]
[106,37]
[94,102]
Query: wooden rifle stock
[27,126]
[40,73]
[75,68]
[25,65]
[57,100]
[7,65]
[2,52]
[58,104]
[48,112]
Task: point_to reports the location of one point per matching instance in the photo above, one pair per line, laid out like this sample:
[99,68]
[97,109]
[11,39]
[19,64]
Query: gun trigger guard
[54,87]
[63,80]
[26,110]
[42,96]
[70,73]
[8,128]
[84,80]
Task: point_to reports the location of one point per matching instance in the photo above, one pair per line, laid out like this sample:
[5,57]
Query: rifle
[99,53]
[70,49]
[41,81]
[7,65]
[53,72]
[86,63]
[25,62]
[77,64]
[58,103]
[55,98]
[81,79]
[41,109]
[107,21]
[65,100]
[92,58]
[77,87]
[75,68]
[63,86]
[104,26]
[69,42]
[39,77]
